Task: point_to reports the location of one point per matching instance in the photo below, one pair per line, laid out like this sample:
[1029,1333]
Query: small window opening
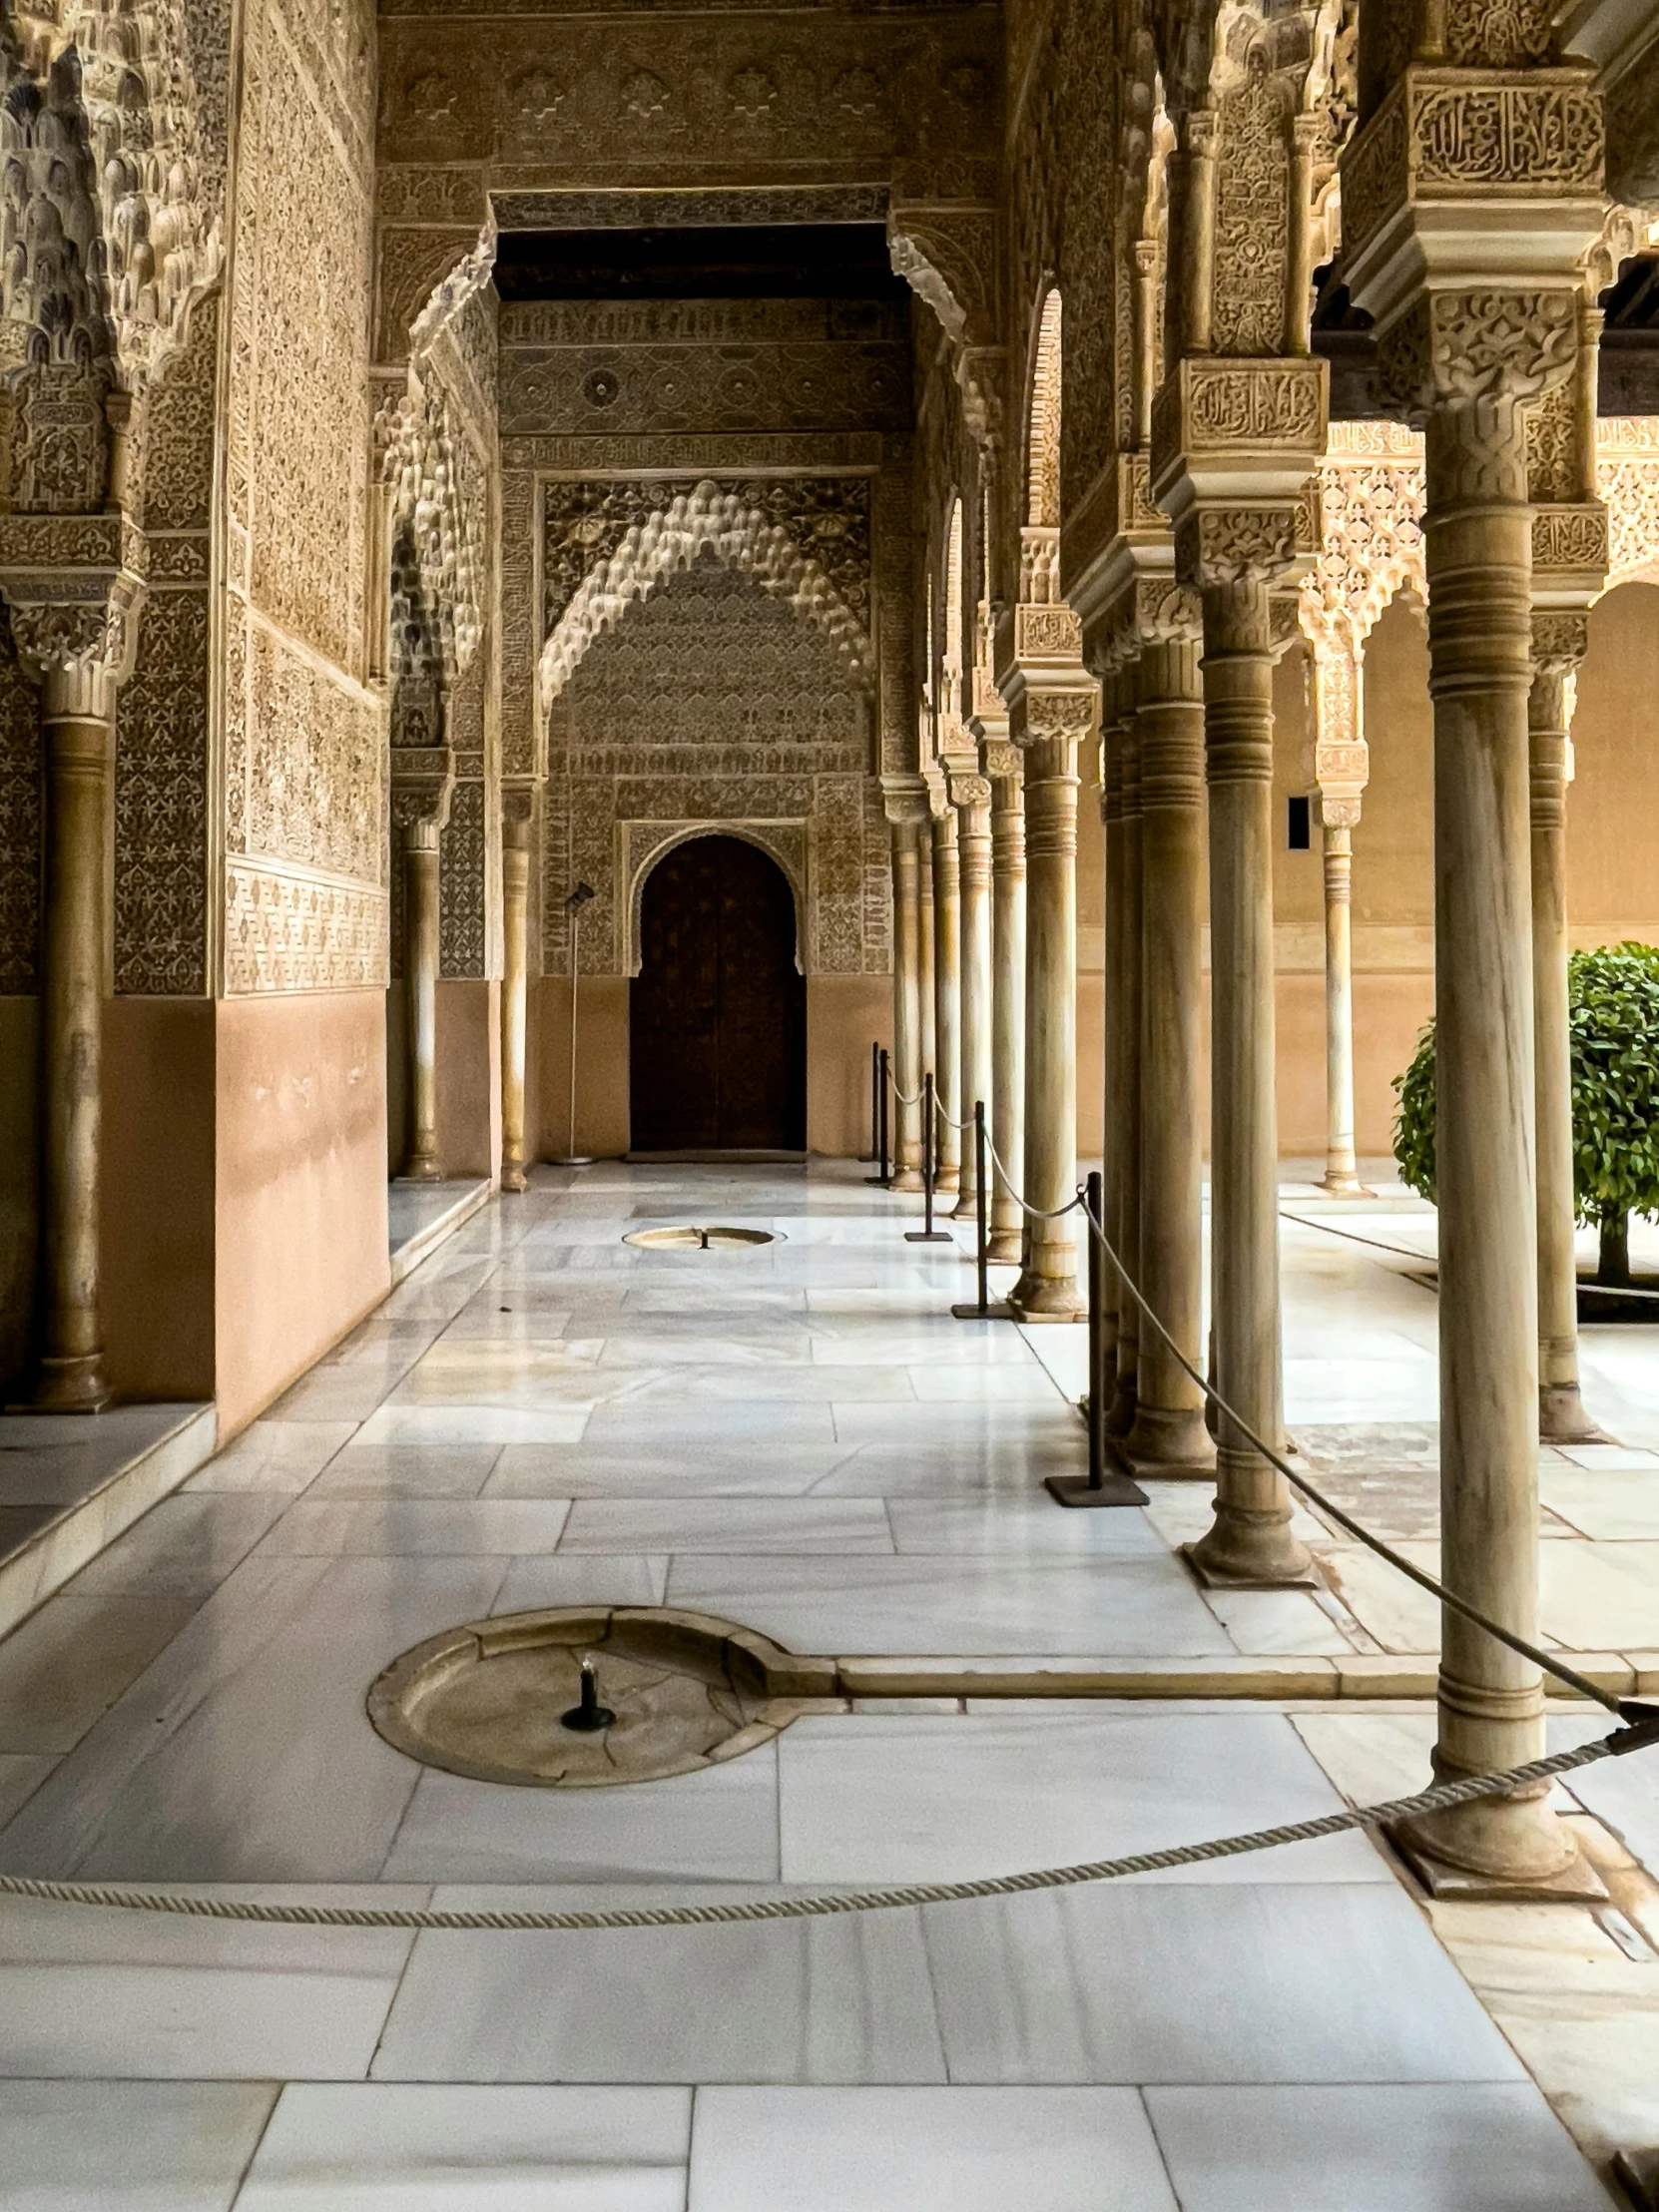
[1299,827]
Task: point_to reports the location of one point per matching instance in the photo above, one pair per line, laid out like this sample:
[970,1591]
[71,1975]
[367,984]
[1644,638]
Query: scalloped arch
[671,540]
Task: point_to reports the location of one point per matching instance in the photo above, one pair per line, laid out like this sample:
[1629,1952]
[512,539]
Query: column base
[1043,1298]
[422,1166]
[1247,1550]
[74,1386]
[947,1183]
[905,1179]
[1562,1418]
[1637,2174]
[1171,1444]
[966,1206]
[1004,1248]
[1343,1185]
[513,1177]
[1510,1847]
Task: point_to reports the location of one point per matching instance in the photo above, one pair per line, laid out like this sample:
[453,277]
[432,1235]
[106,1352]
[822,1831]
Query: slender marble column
[971,798]
[77,728]
[1047,1289]
[1111,1164]
[924,908]
[1169,1435]
[906,1028]
[1250,1541]
[1342,1169]
[420,985]
[515,962]
[1008,997]
[1558,642]
[947,997]
[1477,544]
[1120,1414]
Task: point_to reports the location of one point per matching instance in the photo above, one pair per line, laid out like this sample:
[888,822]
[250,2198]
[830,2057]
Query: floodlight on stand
[577,899]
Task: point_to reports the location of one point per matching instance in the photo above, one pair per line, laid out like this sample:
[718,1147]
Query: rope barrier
[904,1098]
[1424,1258]
[191,1904]
[1037,1213]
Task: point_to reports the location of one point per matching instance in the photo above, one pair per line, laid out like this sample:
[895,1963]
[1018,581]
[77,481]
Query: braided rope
[1330,1229]
[190,1905]
[904,1098]
[1037,1213]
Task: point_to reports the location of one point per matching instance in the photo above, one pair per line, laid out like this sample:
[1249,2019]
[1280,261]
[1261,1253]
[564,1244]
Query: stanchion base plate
[1074,1489]
[879,1182]
[997,1310]
[928,1236]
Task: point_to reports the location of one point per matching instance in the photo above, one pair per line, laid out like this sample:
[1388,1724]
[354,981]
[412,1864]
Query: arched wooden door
[717,1011]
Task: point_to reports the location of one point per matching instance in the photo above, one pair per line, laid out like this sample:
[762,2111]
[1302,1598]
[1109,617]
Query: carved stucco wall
[20,824]
[305,891]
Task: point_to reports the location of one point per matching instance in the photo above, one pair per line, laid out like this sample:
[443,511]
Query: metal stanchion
[865,1158]
[983,1309]
[927,1234]
[1097,1488]
[883,1180]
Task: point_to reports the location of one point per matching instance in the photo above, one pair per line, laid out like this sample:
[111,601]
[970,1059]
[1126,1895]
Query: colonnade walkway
[798,1438]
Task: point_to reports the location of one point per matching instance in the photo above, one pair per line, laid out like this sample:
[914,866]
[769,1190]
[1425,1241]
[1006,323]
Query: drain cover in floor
[488,1700]
[697,1240]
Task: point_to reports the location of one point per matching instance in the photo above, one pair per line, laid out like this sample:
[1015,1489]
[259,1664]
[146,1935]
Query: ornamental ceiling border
[621,206]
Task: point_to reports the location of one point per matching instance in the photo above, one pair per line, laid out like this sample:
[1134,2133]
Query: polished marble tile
[968,2150]
[638,1346]
[1010,1527]
[1401,1618]
[407,1470]
[835,2001]
[739,1467]
[1277,1621]
[964,1604]
[21,1775]
[183,1548]
[590,1579]
[120,2146]
[282,1456]
[1607,1506]
[1206,1982]
[960,1421]
[728,1526]
[1027,1383]
[474,1424]
[1377,2147]
[244,1752]
[507,1323]
[983,1463]
[873,1797]
[718,1825]
[416,1527]
[403,2147]
[1611,1458]
[878,1340]
[71,1661]
[97,1994]
[667,1424]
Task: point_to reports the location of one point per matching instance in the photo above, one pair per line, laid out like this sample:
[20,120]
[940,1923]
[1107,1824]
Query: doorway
[717,1011]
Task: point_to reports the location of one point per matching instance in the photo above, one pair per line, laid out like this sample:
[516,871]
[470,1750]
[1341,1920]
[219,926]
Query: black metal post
[875,1099]
[881,1180]
[983,1309]
[927,1234]
[884,1077]
[1097,1488]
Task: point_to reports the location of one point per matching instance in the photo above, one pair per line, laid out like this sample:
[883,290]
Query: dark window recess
[1299,825]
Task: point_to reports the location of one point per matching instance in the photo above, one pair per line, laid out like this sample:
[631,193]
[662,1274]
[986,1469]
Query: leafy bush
[1613,1016]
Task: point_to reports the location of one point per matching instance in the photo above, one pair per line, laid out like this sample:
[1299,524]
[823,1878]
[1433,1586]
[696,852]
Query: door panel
[717,1011]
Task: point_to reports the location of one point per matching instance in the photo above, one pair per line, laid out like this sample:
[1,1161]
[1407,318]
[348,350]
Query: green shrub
[1613,1016]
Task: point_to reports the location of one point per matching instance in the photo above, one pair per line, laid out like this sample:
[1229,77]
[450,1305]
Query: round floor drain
[697,1240]
[497,1700]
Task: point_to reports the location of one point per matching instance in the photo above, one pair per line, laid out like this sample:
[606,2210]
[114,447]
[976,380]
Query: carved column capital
[1561,637]
[999,759]
[1054,713]
[422,786]
[78,650]
[518,817]
[1238,544]
[904,799]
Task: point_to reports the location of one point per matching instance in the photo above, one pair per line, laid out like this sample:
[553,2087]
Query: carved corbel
[904,801]
[75,626]
[518,816]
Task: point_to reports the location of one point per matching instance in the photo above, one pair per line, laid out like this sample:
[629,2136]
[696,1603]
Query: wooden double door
[717,1011]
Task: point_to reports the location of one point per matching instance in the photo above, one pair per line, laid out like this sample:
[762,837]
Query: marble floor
[798,1437]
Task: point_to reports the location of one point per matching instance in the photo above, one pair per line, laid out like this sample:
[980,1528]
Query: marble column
[1250,1541]
[1055,724]
[1169,1435]
[924,909]
[1111,1072]
[1558,642]
[970,797]
[905,825]
[1126,1015]
[1477,544]
[947,997]
[1338,818]
[423,783]
[516,832]
[1002,766]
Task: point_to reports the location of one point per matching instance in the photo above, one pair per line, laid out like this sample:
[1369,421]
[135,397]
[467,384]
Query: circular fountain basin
[687,1239]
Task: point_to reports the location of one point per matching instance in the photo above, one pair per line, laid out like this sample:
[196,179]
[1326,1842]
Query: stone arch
[704,521]
[651,844]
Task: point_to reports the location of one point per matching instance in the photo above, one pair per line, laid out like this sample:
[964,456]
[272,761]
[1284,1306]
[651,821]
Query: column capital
[73,585]
[1561,637]
[967,787]
[422,786]
[999,759]
[518,816]
[1237,544]
[904,799]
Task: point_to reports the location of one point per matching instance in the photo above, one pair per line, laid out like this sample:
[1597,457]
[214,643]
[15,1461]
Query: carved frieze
[288,929]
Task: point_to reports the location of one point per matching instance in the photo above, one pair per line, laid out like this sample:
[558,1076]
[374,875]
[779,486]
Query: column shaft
[1342,1169]
[1121,1413]
[1478,554]
[1007,1012]
[973,850]
[1250,1541]
[1111,1163]
[515,930]
[1561,1415]
[925,898]
[947,997]
[421,982]
[1169,1435]
[906,1006]
[78,751]
[1048,1288]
